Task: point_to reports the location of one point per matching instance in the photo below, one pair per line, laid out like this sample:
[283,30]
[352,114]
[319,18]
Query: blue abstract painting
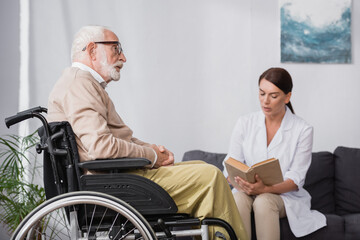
[315,31]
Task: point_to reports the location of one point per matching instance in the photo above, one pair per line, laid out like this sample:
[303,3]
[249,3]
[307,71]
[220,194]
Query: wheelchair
[110,205]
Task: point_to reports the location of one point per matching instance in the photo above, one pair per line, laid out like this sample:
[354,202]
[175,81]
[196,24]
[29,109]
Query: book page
[263,162]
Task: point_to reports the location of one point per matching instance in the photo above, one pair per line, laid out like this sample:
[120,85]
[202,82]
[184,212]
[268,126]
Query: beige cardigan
[100,132]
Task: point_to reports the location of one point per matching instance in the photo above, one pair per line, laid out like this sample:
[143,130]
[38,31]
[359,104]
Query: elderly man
[79,97]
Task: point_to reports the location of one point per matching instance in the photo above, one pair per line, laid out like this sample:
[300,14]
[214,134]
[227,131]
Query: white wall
[193,66]
[9,65]
[9,68]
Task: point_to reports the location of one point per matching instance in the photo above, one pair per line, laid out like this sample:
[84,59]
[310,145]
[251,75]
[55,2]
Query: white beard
[114,74]
[110,70]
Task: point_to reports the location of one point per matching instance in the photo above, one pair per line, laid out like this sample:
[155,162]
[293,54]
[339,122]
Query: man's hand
[164,156]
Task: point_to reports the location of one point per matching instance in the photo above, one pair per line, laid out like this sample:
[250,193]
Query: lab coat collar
[286,124]
[288,120]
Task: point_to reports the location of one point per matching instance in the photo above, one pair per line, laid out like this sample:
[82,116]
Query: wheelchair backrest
[60,158]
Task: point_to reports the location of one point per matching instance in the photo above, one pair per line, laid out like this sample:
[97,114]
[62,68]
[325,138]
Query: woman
[275,132]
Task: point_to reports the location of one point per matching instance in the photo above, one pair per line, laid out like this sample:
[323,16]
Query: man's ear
[91,49]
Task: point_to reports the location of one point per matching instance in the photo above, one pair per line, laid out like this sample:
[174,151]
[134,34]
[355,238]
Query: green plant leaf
[18,197]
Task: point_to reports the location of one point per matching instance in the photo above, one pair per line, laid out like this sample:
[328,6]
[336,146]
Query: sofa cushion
[319,182]
[347,179]
[352,229]
[333,230]
[212,158]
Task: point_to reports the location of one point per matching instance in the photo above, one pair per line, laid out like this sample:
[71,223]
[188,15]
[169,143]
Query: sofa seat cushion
[347,179]
[212,158]
[319,182]
[352,226]
[333,230]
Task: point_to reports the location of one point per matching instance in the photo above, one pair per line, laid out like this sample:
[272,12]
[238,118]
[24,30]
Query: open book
[269,171]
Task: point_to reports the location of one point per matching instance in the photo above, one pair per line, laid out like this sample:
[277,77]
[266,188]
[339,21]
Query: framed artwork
[315,31]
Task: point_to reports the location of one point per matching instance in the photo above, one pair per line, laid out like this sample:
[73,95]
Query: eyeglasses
[117,48]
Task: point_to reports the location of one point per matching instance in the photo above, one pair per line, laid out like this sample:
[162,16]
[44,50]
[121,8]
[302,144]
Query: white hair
[83,37]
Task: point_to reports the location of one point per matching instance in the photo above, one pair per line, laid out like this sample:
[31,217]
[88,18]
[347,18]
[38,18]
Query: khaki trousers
[200,190]
[267,207]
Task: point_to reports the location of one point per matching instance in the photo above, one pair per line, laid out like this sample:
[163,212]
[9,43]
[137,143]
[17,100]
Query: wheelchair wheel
[84,215]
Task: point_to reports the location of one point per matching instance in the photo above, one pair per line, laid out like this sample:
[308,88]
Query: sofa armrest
[114,164]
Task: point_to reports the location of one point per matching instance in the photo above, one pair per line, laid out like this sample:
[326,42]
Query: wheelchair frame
[136,207]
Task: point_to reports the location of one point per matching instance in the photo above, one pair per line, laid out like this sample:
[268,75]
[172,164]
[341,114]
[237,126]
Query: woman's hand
[259,187]
[237,186]
[251,188]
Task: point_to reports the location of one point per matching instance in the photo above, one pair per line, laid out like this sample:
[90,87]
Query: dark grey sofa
[333,181]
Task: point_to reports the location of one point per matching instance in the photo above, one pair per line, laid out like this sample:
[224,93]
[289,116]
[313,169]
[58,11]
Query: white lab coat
[292,145]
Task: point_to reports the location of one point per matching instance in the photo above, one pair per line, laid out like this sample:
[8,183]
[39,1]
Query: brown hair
[280,78]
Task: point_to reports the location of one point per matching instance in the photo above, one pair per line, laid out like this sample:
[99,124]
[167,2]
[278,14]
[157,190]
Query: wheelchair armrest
[114,164]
